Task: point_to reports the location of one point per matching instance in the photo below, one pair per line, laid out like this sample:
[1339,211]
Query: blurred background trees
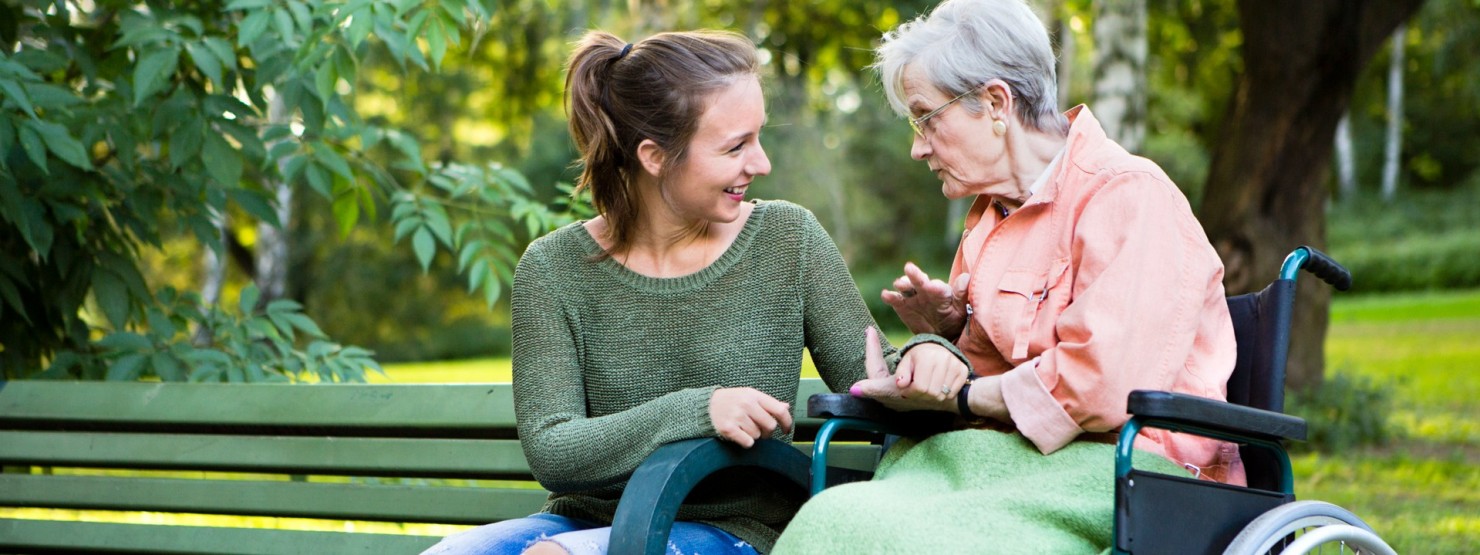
[410,133]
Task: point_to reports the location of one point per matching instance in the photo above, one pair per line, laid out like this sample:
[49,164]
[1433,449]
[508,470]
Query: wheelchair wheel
[1306,527]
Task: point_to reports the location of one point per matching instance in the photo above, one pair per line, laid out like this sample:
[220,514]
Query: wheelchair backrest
[1261,326]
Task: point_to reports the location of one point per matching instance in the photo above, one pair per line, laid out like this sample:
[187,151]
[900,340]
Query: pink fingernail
[856,391]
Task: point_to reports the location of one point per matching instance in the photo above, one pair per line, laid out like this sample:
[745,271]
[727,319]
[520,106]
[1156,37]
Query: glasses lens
[916,127]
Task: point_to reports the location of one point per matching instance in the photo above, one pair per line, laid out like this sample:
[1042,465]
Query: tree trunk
[1395,117]
[1346,175]
[272,242]
[1265,193]
[1120,70]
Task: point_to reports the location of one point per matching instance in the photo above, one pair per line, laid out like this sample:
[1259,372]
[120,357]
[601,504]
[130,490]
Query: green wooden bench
[394,453]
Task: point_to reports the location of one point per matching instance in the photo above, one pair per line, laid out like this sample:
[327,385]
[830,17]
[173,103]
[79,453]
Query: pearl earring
[999,127]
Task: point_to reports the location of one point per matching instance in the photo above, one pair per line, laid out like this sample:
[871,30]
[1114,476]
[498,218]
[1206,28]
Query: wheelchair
[1151,510]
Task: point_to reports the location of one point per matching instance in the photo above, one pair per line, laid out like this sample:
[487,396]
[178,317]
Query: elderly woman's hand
[927,377]
[928,305]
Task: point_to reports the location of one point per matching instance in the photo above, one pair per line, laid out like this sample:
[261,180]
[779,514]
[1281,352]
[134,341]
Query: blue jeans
[579,537]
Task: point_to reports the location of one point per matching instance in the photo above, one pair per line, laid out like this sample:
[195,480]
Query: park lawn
[1421,491]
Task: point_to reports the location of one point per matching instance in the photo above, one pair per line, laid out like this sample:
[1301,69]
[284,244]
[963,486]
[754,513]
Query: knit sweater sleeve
[567,449]
[835,316]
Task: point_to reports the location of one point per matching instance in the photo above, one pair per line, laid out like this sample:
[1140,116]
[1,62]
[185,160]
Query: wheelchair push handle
[1318,263]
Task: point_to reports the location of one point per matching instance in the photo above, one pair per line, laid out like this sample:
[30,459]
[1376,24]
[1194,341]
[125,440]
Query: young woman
[680,312]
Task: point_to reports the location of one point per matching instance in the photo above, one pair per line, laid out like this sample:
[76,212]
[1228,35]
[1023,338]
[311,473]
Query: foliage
[1345,412]
[116,113]
[1441,102]
[253,344]
[1424,240]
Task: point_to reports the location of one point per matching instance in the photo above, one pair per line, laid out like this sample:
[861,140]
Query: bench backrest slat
[445,410]
[352,501]
[101,537]
[356,456]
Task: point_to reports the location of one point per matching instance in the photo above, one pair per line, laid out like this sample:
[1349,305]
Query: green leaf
[331,159]
[127,367]
[477,274]
[437,221]
[222,162]
[346,212]
[305,323]
[185,141]
[283,306]
[324,81]
[248,301]
[112,296]
[425,247]
[14,91]
[206,62]
[248,4]
[47,96]
[12,297]
[301,16]
[153,71]
[436,41]
[125,341]
[223,51]
[255,203]
[252,28]
[35,147]
[61,143]
[283,23]
[167,367]
[407,225]
[159,323]
[360,25]
[469,250]
[492,288]
[319,180]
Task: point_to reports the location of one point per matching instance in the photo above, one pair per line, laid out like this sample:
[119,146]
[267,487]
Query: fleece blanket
[970,491]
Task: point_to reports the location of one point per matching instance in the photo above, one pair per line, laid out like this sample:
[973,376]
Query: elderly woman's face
[957,143]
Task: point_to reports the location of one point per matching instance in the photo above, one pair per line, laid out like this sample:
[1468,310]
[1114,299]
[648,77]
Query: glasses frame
[918,124]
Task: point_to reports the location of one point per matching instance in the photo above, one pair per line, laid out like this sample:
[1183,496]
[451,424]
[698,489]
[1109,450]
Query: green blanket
[970,491]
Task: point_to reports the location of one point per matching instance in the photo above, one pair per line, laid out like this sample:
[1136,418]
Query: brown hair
[617,94]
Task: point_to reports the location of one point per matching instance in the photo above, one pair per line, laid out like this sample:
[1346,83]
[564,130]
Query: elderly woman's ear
[997,100]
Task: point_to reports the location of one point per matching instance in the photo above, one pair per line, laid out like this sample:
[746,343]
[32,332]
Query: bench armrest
[651,499]
[1216,415]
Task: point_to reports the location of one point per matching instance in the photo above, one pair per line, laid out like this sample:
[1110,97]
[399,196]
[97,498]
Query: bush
[1345,411]
[1424,240]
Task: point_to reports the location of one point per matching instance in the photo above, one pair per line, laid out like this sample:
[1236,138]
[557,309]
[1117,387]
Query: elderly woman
[1082,274]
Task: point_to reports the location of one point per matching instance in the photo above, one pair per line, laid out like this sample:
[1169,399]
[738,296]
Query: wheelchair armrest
[889,421]
[650,501]
[1216,415]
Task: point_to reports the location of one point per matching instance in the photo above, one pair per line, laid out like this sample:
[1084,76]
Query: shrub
[1345,411]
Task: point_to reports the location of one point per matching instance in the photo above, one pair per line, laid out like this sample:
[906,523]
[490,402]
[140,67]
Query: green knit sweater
[610,364]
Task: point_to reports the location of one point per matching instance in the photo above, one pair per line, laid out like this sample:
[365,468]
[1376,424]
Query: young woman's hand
[928,305]
[743,415]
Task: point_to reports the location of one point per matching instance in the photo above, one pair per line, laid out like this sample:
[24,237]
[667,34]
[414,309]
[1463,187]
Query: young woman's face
[724,156]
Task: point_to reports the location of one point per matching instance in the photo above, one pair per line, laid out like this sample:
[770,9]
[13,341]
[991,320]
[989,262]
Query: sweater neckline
[683,283]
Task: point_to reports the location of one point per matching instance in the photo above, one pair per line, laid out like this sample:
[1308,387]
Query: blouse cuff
[1035,411]
[923,338]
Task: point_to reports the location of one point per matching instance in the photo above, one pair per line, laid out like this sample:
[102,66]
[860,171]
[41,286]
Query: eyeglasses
[918,124]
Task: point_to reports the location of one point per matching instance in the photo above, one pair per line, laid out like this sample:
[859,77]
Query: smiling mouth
[736,190]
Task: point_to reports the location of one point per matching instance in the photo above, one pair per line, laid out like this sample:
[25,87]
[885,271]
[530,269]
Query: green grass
[1421,492]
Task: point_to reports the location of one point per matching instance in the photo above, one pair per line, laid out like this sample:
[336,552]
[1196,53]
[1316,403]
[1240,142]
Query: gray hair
[964,43]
